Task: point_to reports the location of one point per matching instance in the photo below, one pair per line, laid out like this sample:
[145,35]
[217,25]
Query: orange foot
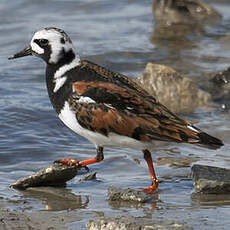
[152,188]
[71,162]
[67,161]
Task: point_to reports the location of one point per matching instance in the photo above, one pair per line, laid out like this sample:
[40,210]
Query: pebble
[127,194]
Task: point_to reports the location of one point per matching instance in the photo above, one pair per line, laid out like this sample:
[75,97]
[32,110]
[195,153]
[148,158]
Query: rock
[134,223]
[178,93]
[218,85]
[210,179]
[55,175]
[127,194]
[185,12]
[91,176]
[176,20]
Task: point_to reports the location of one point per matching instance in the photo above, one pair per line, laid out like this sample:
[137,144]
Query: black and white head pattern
[55,47]
[51,44]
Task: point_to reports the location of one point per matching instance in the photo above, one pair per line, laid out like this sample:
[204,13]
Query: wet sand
[36,220]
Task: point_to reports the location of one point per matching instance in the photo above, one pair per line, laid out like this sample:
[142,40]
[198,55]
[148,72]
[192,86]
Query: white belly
[113,140]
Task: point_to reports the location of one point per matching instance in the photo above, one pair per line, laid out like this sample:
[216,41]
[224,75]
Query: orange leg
[99,157]
[155,181]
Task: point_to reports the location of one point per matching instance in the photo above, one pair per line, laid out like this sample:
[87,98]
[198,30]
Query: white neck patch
[59,76]
[65,68]
[59,82]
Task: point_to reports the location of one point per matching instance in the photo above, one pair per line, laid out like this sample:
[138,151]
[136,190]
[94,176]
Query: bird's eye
[43,42]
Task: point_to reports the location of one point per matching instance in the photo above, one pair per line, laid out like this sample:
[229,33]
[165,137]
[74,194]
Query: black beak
[26,52]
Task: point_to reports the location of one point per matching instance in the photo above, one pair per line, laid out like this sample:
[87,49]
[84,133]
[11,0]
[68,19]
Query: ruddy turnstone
[106,107]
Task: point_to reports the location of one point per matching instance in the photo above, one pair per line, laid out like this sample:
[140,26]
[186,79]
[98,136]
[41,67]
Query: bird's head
[51,44]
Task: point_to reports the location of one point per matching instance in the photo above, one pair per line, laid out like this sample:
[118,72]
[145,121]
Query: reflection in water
[211,199]
[57,199]
[175,37]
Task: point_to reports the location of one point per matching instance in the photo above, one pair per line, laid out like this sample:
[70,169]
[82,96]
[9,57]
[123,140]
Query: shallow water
[116,34]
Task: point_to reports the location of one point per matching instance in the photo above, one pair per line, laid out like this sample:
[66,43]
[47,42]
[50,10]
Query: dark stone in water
[221,78]
[91,176]
[134,223]
[127,194]
[218,85]
[210,179]
[55,175]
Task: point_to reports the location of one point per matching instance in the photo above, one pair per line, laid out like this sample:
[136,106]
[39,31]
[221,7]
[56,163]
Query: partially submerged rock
[134,223]
[176,20]
[91,176]
[218,85]
[178,93]
[210,179]
[55,175]
[185,12]
[127,194]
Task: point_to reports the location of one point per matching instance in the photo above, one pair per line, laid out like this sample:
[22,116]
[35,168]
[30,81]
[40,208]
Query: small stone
[210,179]
[91,176]
[134,223]
[127,194]
[137,160]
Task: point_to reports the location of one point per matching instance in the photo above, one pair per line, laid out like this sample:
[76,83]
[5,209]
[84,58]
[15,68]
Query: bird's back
[117,104]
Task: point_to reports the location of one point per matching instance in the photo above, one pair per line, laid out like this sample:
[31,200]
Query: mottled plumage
[106,107]
[123,107]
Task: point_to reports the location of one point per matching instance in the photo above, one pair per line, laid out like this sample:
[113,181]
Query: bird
[106,107]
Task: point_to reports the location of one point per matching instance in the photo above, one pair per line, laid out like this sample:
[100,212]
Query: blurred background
[123,36]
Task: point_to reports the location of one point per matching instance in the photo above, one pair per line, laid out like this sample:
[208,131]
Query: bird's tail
[207,141]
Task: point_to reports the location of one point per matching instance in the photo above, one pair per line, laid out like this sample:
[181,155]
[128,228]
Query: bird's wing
[106,102]
[97,72]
